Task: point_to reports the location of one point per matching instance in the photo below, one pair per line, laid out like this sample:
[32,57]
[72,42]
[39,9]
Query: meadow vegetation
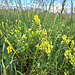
[36,43]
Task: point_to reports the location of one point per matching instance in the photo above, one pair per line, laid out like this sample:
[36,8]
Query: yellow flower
[29,29]
[9,49]
[43,32]
[37,46]
[15,35]
[16,31]
[16,20]
[50,37]
[47,63]
[74,49]
[24,36]
[43,39]
[70,56]
[68,27]
[1,32]
[51,46]
[37,20]
[6,23]
[36,17]
[67,41]
[49,30]
[64,37]
[51,42]
[72,42]
[7,20]
[38,64]
[26,44]
[67,53]
[46,42]
[20,21]
[66,73]
[37,31]
[49,50]
[32,32]
[2,23]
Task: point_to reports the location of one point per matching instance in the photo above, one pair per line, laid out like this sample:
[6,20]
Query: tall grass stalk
[4,70]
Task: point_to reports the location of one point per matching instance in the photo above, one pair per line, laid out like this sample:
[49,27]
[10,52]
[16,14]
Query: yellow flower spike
[37,20]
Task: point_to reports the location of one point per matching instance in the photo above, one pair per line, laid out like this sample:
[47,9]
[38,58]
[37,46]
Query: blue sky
[24,2]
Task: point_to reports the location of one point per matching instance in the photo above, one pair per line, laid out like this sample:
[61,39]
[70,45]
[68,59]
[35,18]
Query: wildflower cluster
[46,46]
[39,46]
[69,56]
[36,23]
[36,19]
[9,49]
[65,39]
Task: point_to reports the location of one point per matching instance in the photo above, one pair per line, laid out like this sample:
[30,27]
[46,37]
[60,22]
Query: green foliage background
[44,41]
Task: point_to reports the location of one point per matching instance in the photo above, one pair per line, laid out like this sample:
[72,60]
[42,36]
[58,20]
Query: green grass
[40,45]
